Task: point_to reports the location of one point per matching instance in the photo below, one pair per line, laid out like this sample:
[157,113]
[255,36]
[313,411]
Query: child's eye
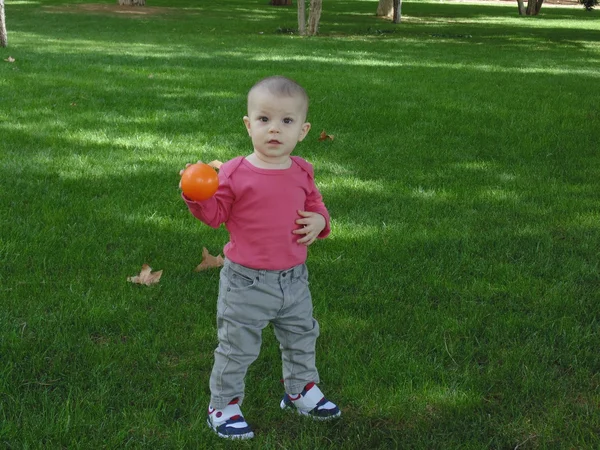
[288,120]
[263,118]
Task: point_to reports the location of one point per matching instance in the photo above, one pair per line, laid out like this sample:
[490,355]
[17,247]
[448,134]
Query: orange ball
[199,182]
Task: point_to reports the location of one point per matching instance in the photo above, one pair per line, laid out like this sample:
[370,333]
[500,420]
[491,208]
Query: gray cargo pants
[248,301]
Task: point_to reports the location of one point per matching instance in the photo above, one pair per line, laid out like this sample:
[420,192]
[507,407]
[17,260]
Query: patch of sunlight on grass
[445,396]
[507,177]
[334,168]
[497,194]
[77,46]
[140,140]
[84,166]
[590,46]
[65,46]
[253,12]
[151,218]
[360,14]
[143,150]
[328,60]
[77,166]
[175,93]
[554,71]
[350,230]
[370,62]
[431,194]
[513,21]
[474,165]
[589,220]
[351,183]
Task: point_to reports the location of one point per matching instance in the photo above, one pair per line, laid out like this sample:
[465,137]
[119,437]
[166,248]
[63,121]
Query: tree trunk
[314,16]
[302,17]
[397,11]
[132,2]
[385,8]
[533,7]
[3,36]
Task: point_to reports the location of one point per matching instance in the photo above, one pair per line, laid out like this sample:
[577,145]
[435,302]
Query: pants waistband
[292,273]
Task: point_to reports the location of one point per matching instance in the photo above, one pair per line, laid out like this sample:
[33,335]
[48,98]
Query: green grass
[457,296]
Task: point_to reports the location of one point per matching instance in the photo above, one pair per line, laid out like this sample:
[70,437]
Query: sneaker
[229,423]
[311,402]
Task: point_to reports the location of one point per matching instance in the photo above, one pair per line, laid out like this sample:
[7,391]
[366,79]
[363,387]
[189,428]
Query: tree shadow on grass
[424,21]
[437,274]
[411,323]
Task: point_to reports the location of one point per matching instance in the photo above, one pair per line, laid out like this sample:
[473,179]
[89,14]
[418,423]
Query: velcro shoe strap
[326,405]
[223,415]
[238,423]
[310,400]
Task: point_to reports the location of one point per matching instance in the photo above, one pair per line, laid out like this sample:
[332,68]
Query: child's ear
[304,131]
[247,123]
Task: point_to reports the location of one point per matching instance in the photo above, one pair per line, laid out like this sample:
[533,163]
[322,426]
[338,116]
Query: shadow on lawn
[447,283]
[167,75]
[447,292]
[122,217]
[426,22]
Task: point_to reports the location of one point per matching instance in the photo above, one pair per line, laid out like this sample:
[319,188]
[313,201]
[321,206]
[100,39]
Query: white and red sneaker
[312,403]
[229,423]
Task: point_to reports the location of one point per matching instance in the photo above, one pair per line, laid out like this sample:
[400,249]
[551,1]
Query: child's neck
[261,164]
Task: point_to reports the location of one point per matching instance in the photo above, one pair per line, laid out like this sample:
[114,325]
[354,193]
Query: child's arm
[314,219]
[214,211]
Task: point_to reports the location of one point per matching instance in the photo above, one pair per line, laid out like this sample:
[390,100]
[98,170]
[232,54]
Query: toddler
[273,211]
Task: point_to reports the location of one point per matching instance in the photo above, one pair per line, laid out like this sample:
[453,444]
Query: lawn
[459,292]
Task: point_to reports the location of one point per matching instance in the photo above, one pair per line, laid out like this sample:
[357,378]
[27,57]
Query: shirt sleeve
[215,210]
[314,203]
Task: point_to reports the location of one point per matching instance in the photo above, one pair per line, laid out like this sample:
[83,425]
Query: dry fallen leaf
[209,261]
[324,136]
[216,164]
[146,276]
[10,59]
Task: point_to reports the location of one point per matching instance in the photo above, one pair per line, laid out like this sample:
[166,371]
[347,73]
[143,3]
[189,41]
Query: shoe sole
[286,407]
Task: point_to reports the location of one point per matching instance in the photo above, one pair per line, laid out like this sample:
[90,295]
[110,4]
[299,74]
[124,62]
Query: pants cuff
[222,402]
[297,387]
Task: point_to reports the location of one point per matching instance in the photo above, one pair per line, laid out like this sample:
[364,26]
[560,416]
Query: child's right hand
[183,170]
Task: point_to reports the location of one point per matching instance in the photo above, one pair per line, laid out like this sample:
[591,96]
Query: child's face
[275,124]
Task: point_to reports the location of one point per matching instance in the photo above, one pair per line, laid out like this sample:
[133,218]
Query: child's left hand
[312,224]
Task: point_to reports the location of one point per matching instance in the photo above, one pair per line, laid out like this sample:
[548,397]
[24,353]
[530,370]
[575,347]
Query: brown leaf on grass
[10,59]
[216,164]
[209,261]
[324,136]
[146,276]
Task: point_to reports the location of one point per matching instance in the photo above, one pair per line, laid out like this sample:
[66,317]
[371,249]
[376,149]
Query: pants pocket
[237,281]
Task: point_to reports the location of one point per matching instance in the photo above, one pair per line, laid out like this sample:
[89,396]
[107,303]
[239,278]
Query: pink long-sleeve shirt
[259,208]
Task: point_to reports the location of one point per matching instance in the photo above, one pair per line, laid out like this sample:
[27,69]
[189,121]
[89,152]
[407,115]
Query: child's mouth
[274,141]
